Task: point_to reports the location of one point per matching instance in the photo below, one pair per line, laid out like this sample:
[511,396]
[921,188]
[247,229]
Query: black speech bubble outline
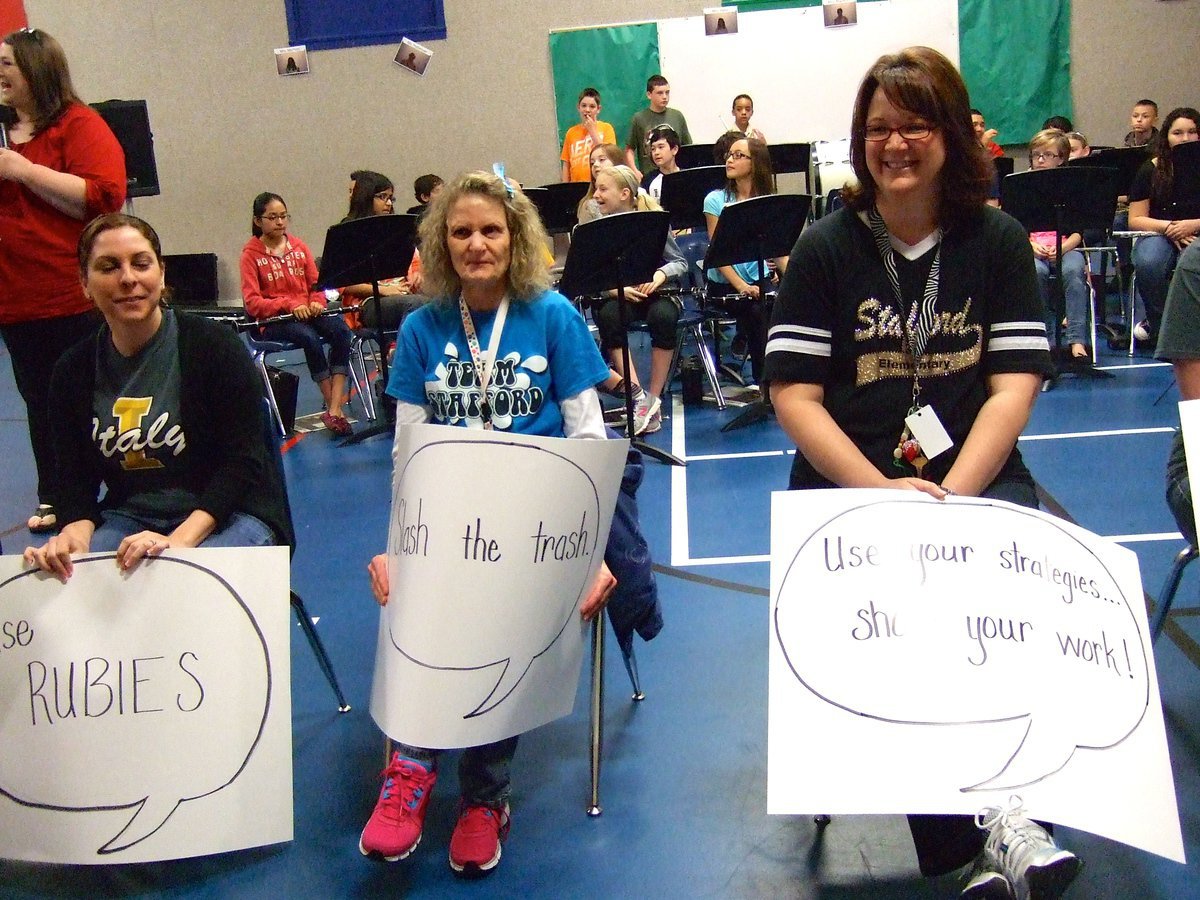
[108,847]
[480,709]
[866,715]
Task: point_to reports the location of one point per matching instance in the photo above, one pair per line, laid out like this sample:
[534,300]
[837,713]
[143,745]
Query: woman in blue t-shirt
[482,244]
[748,174]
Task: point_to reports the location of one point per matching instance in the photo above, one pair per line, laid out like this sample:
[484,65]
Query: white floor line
[757,454]
[1116,432]
[1141,365]
[679,505]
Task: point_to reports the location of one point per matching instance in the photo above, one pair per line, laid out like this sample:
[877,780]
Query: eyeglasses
[385,198]
[736,154]
[914,131]
[276,217]
[1045,155]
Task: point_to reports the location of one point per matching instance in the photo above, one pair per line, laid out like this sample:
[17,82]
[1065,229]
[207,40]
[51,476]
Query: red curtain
[12,15]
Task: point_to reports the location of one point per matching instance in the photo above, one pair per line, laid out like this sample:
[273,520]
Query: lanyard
[484,365]
[918,324]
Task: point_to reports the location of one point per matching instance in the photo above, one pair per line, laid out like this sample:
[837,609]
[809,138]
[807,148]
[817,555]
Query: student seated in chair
[616,191]
[1049,149]
[664,147]
[162,408]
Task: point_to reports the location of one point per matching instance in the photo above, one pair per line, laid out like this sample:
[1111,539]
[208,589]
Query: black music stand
[1126,160]
[369,250]
[693,156]
[788,158]
[606,254]
[683,194]
[1185,190]
[557,204]
[1063,200]
[757,229]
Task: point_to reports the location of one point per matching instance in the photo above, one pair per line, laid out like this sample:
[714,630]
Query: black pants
[34,348]
[753,317]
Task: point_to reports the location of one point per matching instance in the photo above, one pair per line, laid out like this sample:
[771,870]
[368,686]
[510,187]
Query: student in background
[986,136]
[1049,149]
[1142,121]
[748,174]
[581,139]
[278,278]
[743,109]
[425,188]
[1151,197]
[664,148]
[617,192]
[602,157]
[1062,123]
[1079,145]
[658,93]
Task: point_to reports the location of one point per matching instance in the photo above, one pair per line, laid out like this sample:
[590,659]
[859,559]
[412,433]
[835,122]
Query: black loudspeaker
[130,122]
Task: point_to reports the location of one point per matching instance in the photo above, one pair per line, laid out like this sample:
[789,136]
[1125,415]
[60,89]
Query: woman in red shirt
[61,167]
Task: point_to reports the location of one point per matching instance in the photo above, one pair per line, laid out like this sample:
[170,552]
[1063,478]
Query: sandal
[44,520]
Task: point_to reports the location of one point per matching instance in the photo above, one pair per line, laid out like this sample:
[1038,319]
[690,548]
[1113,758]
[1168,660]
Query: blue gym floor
[684,778]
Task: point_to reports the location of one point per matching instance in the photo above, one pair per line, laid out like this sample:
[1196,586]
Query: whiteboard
[802,75]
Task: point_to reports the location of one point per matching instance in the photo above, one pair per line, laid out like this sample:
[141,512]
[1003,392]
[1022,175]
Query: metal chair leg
[710,365]
[318,649]
[1167,595]
[260,362]
[635,681]
[596,746]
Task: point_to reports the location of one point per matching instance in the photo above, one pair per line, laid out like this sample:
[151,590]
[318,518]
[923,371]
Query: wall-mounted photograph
[720,20]
[292,60]
[413,56]
[839,13]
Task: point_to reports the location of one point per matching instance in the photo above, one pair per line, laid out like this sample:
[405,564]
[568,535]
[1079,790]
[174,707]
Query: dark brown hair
[925,83]
[259,207]
[762,175]
[111,222]
[44,64]
[1162,184]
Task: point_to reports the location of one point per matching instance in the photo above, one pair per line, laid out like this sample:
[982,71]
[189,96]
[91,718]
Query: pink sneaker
[475,844]
[394,829]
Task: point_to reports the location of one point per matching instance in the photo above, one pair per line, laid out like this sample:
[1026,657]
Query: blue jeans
[308,336]
[1075,289]
[241,530]
[1153,260]
[483,771]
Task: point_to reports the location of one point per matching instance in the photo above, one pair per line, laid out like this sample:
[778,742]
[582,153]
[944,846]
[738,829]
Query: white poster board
[493,540]
[802,75]
[937,657]
[147,715]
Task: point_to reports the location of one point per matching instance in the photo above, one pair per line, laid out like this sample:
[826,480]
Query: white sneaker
[1036,868]
[644,412]
[1141,331]
[986,882]
[654,423]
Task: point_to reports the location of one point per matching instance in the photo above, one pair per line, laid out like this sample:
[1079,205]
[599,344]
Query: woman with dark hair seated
[917,294]
[162,408]
[1151,198]
[279,276]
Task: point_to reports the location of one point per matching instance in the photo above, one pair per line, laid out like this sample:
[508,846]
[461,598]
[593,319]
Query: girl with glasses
[278,279]
[739,287]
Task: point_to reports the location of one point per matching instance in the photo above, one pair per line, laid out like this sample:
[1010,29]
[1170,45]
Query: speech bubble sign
[969,626]
[140,691]
[493,541]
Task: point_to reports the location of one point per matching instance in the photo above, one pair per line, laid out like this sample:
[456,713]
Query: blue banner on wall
[322,25]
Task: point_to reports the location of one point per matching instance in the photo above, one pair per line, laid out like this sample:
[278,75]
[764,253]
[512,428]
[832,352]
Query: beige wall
[226,126]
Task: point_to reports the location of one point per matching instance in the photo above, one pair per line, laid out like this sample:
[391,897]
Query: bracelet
[950,492]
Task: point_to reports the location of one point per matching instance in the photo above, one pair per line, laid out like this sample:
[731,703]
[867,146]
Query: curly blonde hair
[528,275]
